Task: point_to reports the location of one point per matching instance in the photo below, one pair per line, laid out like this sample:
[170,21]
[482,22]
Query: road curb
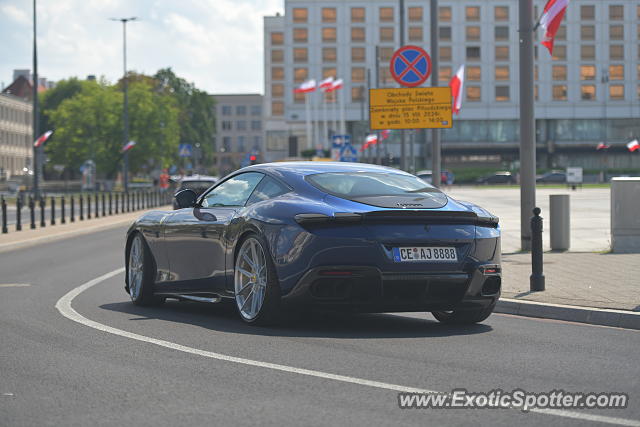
[572,313]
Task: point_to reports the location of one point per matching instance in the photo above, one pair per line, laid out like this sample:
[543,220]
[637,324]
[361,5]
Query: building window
[385,53]
[226,110]
[588,92]
[501,33]
[357,94]
[386,14]
[415,14]
[277,56]
[616,72]
[559,72]
[587,72]
[300,74]
[329,34]
[587,13]
[415,34]
[502,93]
[357,74]
[559,92]
[472,33]
[473,93]
[386,34]
[277,38]
[502,53]
[502,72]
[473,53]
[226,125]
[444,14]
[559,53]
[241,125]
[277,73]
[226,143]
[358,54]
[329,54]
[241,110]
[240,145]
[328,14]
[616,51]
[587,52]
[300,54]
[473,73]
[616,92]
[328,72]
[616,12]
[256,125]
[357,34]
[501,13]
[300,35]
[444,34]
[444,53]
[445,74]
[472,13]
[277,90]
[300,14]
[357,14]
[587,32]
[616,32]
[561,34]
[299,98]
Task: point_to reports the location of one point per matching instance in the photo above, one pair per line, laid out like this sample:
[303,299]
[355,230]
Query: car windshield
[380,189]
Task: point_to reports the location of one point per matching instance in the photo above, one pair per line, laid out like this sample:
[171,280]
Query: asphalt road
[55,371]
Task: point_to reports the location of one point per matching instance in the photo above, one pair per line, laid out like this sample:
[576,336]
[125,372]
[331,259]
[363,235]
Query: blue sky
[216,44]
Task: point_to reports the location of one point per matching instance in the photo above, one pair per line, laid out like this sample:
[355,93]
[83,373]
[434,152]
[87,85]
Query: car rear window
[389,190]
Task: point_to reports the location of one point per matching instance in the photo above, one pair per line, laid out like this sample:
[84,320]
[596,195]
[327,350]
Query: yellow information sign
[410,108]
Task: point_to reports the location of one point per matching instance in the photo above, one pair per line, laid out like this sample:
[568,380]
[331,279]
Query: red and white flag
[42,139]
[602,146]
[128,146]
[306,87]
[551,19]
[456,84]
[326,83]
[369,141]
[633,145]
[385,134]
[335,85]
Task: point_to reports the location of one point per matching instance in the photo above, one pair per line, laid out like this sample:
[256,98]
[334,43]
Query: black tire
[464,317]
[270,310]
[144,296]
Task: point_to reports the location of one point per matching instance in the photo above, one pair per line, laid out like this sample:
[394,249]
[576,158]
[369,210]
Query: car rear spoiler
[431,217]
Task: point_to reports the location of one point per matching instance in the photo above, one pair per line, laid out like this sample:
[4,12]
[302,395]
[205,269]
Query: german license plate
[425,254]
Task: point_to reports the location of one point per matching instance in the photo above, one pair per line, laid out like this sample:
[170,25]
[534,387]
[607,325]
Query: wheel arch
[130,238]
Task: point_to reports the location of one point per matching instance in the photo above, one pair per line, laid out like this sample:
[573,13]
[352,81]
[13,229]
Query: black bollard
[81,200]
[104,206]
[32,212]
[116,200]
[88,206]
[73,212]
[5,230]
[42,206]
[537,278]
[97,205]
[110,201]
[62,218]
[19,214]
[53,211]
[128,196]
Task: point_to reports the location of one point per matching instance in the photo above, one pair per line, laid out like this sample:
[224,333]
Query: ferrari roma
[341,236]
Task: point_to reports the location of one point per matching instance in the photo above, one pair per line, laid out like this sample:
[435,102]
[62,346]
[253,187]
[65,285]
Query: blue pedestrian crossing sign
[185,150]
[348,153]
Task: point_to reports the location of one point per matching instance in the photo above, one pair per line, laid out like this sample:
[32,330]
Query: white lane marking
[64,307]
[14,285]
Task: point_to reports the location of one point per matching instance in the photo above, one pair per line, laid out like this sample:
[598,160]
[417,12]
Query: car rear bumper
[368,289]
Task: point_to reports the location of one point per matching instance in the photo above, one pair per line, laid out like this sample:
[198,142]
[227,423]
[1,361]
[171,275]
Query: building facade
[588,92]
[16,136]
[239,131]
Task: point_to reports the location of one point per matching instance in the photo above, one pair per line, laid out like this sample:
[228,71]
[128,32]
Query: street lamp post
[125,112]
[37,151]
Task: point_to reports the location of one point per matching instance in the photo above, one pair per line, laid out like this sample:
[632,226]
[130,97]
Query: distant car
[553,177]
[497,178]
[197,183]
[427,176]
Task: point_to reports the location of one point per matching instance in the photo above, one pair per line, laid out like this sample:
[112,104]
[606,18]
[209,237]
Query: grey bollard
[625,221]
[559,222]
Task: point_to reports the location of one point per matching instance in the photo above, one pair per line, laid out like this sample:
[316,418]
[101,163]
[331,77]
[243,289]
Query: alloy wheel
[136,261]
[250,278]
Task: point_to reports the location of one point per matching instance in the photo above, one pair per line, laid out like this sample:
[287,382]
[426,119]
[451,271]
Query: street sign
[348,153]
[338,141]
[185,150]
[410,66]
[574,175]
[410,108]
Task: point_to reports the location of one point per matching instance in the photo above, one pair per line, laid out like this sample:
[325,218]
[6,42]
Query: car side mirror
[186,198]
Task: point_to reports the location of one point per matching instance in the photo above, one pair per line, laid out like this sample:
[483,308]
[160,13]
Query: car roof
[199,178]
[310,168]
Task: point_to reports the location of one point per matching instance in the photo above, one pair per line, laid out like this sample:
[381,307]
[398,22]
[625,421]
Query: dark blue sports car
[347,236]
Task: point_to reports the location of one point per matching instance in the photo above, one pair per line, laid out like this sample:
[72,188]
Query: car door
[195,238]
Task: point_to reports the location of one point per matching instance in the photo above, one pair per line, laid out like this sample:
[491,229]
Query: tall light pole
[37,151]
[125,112]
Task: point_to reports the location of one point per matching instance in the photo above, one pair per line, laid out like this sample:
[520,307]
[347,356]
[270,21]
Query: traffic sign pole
[435,133]
[403,142]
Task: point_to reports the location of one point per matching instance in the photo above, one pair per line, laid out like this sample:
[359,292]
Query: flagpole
[308,119]
[335,112]
[342,124]
[37,151]
[324,118]
[314,120]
